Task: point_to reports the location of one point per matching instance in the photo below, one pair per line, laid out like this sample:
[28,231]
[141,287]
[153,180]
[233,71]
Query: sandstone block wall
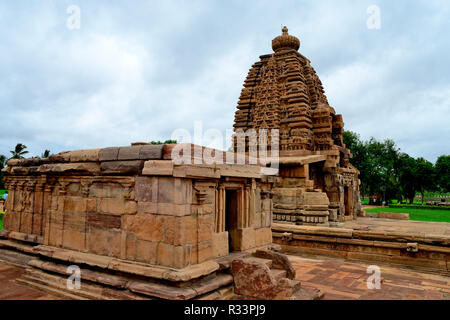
[129,203]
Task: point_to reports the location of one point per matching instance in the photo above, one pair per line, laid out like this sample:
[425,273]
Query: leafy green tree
[407,177]
[378,164]
[359,159]
[19,151]
[425,176]
[442,172]
[382,164]
[165,142]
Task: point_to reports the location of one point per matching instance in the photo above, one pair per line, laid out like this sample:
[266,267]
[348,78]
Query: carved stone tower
[282,91]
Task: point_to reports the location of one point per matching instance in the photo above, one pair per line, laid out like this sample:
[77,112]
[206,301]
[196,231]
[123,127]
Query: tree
[442,172]
[359,159]
[19,151]
[45,154]
[407,177]
[425,176]
[165,142]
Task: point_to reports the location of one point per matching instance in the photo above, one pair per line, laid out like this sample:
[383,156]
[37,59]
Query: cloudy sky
[138,70]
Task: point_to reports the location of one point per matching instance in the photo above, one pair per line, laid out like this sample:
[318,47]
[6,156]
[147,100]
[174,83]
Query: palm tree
[19,151]
[46,154]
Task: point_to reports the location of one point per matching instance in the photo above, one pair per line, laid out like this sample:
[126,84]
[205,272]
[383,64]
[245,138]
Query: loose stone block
[122,167]
[129,153]
[151,152]
[108,154]
[91,155]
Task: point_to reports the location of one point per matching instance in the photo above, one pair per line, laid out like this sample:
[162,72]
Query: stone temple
[316,182]
[140,224]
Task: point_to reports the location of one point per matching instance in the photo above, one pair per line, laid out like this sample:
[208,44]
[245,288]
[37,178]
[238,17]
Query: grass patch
[1,220]
[418,214]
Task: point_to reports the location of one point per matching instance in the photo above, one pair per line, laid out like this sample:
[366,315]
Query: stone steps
[56,285]
[98,285]
[52,291]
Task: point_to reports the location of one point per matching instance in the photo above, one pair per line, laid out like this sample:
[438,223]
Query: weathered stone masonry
[316,183]
[119,203]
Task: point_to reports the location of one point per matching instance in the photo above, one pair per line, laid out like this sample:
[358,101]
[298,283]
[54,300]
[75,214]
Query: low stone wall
[388,215]
[393,215]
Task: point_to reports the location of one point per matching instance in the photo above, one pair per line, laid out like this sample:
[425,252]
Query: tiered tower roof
[282,91]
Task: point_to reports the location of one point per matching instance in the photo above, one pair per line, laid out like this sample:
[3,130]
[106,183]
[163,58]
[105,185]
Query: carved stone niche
[201,196]
[202,191]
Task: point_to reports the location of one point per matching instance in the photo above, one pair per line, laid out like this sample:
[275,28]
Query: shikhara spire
[282,91]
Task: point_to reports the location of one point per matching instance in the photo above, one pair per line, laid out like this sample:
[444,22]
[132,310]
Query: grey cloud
[137,70]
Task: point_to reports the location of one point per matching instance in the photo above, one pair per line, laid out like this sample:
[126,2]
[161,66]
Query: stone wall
[133,203]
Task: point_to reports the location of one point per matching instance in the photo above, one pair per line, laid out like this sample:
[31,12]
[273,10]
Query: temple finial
[285,41]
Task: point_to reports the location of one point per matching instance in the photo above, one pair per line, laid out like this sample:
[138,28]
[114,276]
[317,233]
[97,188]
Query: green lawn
[418,214]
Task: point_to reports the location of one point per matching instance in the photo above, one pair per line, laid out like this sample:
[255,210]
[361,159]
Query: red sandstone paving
[342,280]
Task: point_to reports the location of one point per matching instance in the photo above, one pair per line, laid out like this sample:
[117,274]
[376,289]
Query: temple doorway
[231,218]
[348,200]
